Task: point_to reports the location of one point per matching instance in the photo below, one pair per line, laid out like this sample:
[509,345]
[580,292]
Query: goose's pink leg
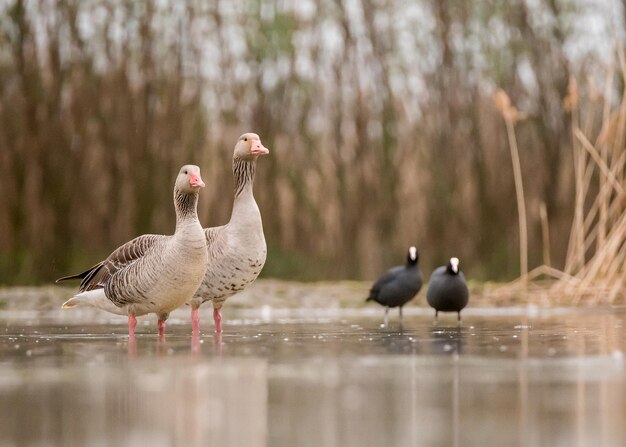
[195,321]
[217,318]
[161,325]
[132,323]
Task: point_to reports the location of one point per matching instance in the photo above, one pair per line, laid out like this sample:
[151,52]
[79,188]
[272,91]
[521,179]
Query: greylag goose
[237,250]
[447,291]
[398,285]
[151,273]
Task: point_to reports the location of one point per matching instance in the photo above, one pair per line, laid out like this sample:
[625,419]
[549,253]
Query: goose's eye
[245,139]
[186,172]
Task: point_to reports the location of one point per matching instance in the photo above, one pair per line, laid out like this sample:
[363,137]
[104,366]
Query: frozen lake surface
[505,377]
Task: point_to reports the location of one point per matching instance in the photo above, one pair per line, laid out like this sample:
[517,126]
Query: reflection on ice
[155,402]
[556,380]
[408,401]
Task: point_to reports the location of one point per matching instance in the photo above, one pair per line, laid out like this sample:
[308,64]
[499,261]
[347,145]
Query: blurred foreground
[322,377]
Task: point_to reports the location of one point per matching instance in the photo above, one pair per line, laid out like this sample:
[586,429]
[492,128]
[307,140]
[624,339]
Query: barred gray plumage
[237,250]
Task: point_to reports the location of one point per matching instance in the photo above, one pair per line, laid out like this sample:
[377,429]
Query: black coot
[398,285]
[447,291]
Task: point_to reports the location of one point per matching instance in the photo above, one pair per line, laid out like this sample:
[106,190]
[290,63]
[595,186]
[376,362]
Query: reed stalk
[511,115]
[545,233]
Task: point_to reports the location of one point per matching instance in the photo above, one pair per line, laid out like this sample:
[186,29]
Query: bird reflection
[217,343]
[398,340]
[196,343]
[161,345]
[447,340]
[435,339]
[132,346]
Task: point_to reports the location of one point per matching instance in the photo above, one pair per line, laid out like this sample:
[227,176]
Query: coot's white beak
[454,263]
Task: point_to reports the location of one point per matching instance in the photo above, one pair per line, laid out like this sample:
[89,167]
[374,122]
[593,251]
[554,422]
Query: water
[316,378]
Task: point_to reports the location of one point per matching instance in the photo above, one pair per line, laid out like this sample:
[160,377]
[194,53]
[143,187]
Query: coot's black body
[398,285]
[447,290]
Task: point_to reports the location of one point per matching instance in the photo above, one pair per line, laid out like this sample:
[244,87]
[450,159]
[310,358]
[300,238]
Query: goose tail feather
[94,298]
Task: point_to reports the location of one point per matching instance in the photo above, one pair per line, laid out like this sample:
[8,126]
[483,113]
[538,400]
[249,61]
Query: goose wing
[98,275]
[215,240]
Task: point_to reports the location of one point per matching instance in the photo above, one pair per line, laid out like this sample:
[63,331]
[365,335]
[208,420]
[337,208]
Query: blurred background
[379,114]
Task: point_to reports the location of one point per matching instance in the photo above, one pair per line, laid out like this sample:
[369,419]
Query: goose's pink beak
[259,149]
[196,180]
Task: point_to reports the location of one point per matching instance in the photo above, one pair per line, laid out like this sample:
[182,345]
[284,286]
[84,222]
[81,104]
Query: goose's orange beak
[196,180]
[259,149]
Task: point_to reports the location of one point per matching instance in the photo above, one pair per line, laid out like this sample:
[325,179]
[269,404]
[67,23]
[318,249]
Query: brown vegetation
[379,115]
[594,270]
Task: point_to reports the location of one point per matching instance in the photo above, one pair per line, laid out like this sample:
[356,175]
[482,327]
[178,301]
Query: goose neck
[186,206]
[243,172]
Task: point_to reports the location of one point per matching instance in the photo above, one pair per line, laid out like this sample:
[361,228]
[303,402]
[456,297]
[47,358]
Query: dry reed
[594,272]
[511,116]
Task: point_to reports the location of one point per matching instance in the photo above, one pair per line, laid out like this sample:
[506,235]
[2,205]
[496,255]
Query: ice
[285,377]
